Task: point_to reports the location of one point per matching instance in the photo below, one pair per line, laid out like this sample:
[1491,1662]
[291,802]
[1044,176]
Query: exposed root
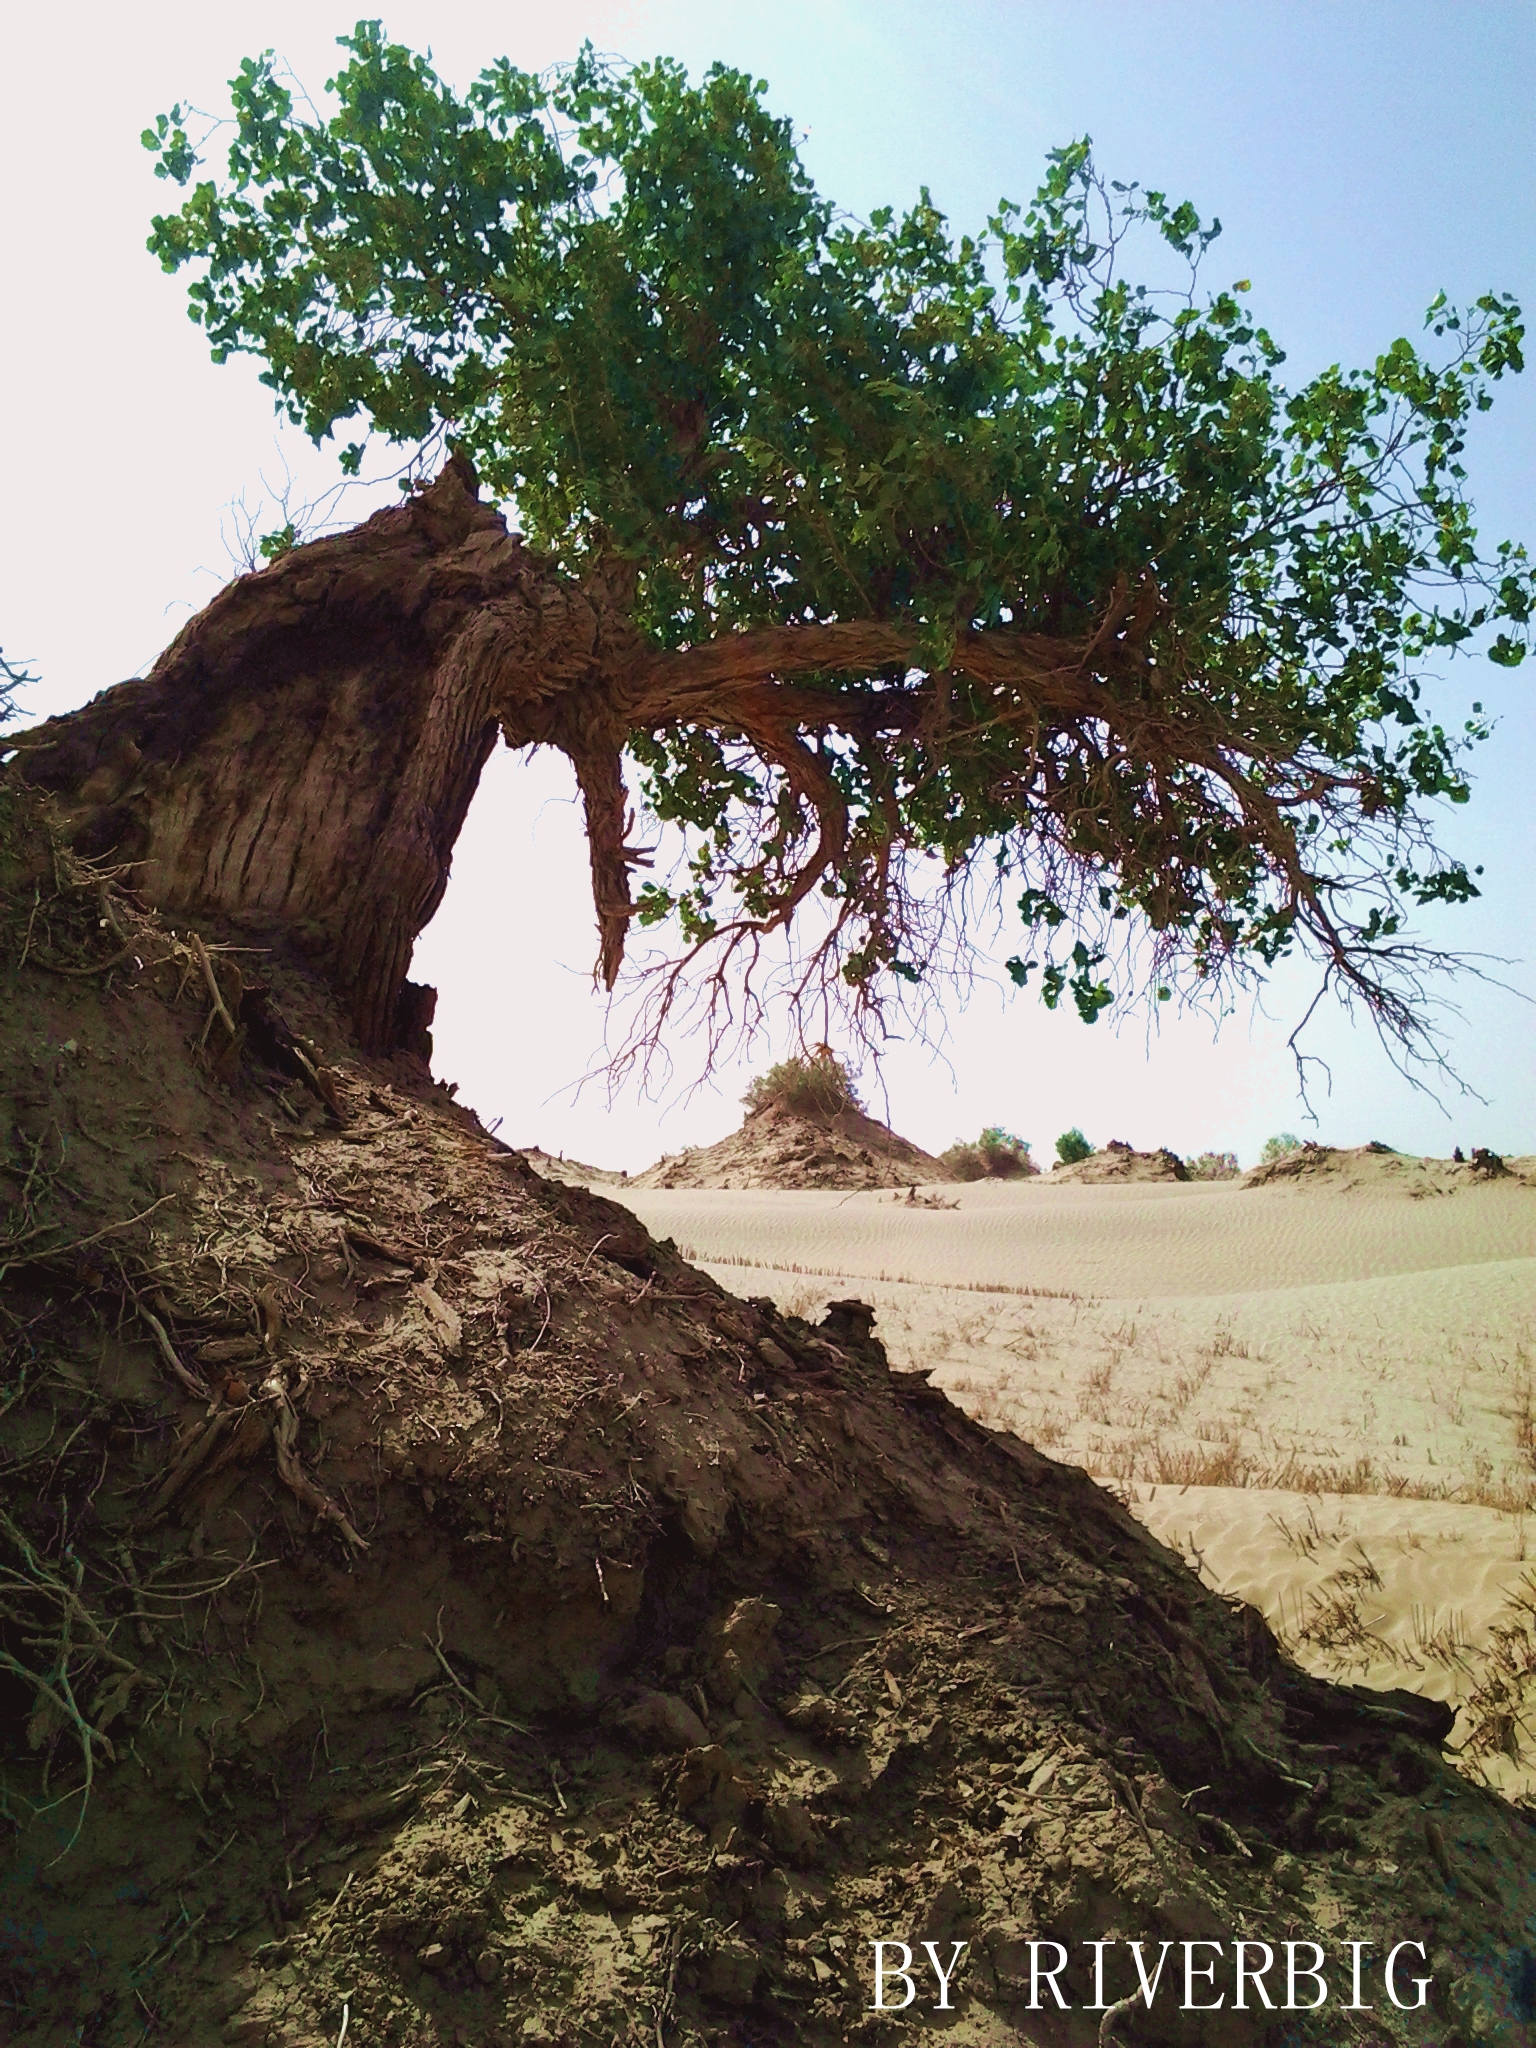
[294,1477]
[197,1388]
[55,1683]
[1117,2011]
[211,981]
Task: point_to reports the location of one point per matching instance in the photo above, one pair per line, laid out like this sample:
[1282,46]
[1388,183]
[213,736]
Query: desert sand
[1319,1389]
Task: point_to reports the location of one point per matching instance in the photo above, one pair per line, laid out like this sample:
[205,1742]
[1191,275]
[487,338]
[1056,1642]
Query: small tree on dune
[1214,1166]
[1072,1147]
[818,1085]
[996,1155]
[1279,1147]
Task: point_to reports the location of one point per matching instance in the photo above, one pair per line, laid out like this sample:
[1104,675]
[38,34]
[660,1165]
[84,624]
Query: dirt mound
[553,1166]
[779,1148]
[432,1613]
[1375,1169]
[1118,1162]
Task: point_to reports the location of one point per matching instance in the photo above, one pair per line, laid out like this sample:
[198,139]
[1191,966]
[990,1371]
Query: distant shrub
[1279,1147]
[1213,1166]
[996,1155]
[815,1086]
[1072,1146]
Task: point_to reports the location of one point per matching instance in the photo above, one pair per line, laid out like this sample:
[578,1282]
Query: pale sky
[1361,156]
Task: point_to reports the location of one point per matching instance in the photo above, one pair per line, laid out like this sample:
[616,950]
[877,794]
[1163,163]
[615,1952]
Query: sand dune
[1156,1238]
[1118,1162]
[782,1148]
[1323,1390]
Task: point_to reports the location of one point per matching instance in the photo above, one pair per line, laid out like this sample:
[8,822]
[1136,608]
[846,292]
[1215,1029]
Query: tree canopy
[952,563]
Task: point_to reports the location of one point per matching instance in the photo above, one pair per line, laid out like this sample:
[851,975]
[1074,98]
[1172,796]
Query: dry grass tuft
[1497,1709]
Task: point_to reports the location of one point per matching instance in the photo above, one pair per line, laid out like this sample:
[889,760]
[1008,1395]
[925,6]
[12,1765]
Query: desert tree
[896,571]
[996,1155]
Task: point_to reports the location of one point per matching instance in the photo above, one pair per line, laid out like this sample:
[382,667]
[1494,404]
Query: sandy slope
[1273,1376]
[1158,1238]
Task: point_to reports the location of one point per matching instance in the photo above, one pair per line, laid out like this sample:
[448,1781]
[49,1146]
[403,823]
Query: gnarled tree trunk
[300,760]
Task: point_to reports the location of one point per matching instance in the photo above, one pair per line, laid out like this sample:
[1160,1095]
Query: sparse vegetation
[702,1255]
[1497,1709]
[1072,1146]
[814,1085]
[12,680]
[996,1155]
[1279,1147]
[1214,1166]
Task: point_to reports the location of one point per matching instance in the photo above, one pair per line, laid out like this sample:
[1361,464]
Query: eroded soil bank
[431,1609]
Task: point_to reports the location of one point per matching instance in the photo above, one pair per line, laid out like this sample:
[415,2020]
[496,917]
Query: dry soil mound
[778,1148]
[1376,1170]
[432,1613]
[1120,1163]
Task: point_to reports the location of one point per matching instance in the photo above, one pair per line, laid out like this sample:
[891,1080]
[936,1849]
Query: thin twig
[292,1474]
[459,1686]
[201,952]
[847,1643]
[93,967]
[26,944]
[80,1243]
[188,1378]
[1107,2024]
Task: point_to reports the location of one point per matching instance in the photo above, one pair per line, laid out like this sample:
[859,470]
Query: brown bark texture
[300,760]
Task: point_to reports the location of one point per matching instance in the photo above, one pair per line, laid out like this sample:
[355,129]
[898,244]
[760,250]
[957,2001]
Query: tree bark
[298,763]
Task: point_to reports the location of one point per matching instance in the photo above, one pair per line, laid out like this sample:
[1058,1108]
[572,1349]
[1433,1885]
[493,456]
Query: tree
[909,571]
[1214,1166]
[996,1155]
[869,558]
[818,1086]
[1072,1147]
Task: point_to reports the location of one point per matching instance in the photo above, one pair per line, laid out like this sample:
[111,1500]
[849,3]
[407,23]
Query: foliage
[1213,1166]
[996,1155]
[1279,1147]
[281,541]
[818,1086]
[1072,1146]
[1038,580]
